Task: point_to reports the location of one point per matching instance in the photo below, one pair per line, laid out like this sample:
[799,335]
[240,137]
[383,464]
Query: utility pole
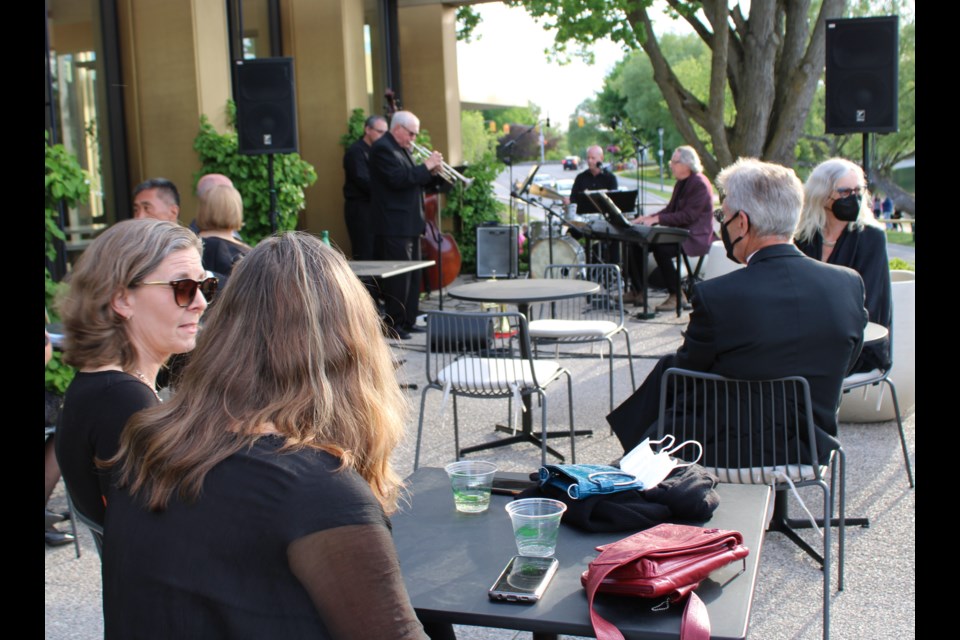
[660,132]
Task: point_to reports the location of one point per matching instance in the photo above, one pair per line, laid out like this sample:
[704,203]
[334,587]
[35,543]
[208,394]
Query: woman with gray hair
[837,227]
[134,299]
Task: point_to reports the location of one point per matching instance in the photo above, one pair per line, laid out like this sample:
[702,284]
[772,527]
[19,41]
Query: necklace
[144,380]
[827,243]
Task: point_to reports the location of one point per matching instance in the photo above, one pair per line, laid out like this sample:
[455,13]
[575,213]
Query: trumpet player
[396,188]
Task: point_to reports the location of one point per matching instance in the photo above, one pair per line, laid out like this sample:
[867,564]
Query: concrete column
[325,39]
[428,65]
[176,66]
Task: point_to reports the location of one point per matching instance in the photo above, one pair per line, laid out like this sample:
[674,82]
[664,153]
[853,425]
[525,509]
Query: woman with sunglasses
[837,226]
[135,297]
[254,502]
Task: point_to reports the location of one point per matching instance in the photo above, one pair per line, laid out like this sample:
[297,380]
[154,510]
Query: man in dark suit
[356,189]
[784,315]
[396,188]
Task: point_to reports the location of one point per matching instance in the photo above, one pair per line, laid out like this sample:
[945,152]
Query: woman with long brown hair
[134,299]
[254,503]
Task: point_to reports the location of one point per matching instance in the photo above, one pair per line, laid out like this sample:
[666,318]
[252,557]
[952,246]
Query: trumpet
[446,172]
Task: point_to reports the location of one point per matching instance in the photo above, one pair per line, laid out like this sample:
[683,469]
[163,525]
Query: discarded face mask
[650,467]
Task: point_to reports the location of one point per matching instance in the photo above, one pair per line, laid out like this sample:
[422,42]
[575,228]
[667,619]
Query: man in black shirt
[357,210]
[595,177]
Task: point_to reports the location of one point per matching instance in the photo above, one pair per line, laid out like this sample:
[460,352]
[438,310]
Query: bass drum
[566,250]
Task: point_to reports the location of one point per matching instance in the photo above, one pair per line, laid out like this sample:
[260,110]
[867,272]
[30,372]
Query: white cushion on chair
[496,373]
[764,475]
[570,328]
[855,379]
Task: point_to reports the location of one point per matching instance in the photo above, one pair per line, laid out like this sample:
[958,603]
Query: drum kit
[548,235]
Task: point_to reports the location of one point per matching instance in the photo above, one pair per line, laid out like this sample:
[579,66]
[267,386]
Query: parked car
[564,186]
[571,163]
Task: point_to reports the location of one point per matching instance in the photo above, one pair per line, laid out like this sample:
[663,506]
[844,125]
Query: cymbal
[544,192]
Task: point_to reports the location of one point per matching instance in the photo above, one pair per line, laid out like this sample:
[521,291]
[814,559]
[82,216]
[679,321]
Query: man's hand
[434,162]
[647,220]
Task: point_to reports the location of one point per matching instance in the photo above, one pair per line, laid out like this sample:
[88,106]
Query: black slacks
[401,294]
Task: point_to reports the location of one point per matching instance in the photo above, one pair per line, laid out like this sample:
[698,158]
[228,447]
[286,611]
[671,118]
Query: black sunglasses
[184,291]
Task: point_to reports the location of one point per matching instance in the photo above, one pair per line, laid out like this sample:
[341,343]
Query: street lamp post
[660,152]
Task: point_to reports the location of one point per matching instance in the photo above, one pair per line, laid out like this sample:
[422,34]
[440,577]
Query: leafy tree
[769,60]
[218,153]
[475,137]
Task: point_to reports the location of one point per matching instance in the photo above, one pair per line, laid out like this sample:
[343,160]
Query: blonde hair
[221,208]
[306,356]
[123,255]
[818,189]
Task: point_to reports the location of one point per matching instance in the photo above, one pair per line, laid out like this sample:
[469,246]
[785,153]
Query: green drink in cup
[536,525]
[471,481]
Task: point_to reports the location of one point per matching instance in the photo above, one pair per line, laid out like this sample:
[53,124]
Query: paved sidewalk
[879,601]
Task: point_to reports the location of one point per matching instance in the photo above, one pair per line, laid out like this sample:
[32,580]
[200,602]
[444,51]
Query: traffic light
[506,128]
[580,121]
[493,127]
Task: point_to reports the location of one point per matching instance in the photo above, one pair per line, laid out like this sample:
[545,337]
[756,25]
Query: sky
[508,62]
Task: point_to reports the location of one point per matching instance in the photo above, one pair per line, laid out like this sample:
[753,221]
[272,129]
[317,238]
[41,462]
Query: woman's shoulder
[306,478]
[108,383]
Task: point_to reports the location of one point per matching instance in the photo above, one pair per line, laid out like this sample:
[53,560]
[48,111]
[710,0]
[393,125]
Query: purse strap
[694,625]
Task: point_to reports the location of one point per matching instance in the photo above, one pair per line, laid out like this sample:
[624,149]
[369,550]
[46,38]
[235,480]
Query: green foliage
[475,138]
[467,22]
[899,264]
[475,205]
[354,128]
[218,154]
[64,180]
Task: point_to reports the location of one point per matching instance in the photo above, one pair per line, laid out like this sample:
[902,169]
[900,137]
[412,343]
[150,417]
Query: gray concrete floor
[879,599]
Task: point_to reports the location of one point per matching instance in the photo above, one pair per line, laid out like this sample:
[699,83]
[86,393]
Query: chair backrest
[96,530]
[479,354]
[605,304]
[751,430]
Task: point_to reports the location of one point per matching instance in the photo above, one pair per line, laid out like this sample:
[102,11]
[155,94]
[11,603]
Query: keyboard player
[691,208]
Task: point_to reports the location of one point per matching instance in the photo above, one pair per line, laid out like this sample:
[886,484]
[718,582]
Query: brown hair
[221,207]
[306,356]
[94,335]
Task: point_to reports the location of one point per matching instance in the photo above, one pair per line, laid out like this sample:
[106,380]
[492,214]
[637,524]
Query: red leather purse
[668,560]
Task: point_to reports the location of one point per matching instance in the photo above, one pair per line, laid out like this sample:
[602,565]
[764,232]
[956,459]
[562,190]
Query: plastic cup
[471,481]
[536,525]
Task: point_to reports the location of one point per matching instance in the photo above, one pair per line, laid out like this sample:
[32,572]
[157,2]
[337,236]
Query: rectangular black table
[387,268]
[450,559]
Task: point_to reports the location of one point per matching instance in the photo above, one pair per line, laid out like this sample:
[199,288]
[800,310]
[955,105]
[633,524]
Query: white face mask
[650,467]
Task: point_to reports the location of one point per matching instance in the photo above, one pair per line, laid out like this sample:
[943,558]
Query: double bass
[434,244]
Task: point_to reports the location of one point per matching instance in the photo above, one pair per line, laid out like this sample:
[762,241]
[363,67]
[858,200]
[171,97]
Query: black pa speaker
[862,75]
[497,251]
[266,106]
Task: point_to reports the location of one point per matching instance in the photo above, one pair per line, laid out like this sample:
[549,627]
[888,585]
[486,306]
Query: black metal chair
[594,318]
[487,355]
[760,432]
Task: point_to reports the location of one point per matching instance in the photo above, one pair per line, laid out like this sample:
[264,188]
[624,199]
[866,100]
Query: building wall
[175,63]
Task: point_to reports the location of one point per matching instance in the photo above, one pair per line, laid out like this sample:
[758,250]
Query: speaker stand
[273,195]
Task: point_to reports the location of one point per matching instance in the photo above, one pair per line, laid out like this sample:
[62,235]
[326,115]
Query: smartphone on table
[524,579]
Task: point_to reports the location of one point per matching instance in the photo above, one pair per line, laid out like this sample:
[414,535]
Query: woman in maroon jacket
[690,207]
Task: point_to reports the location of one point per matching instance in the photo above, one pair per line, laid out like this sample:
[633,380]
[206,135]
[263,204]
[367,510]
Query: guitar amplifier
[497,250]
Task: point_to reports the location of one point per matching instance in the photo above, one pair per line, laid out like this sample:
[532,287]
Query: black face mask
[847,209]
[725,237]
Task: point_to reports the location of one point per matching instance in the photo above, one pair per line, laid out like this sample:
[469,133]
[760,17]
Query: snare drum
[566,250]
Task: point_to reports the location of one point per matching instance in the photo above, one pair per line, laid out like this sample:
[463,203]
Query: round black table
[523,293]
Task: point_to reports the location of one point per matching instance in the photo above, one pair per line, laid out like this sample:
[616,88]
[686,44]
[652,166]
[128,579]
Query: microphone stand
[641,149]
